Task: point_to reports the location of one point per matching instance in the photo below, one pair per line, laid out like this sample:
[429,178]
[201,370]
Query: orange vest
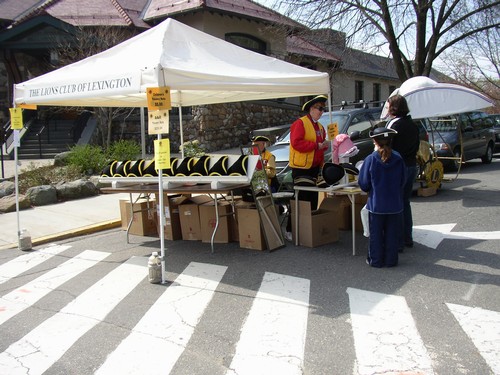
[300,159]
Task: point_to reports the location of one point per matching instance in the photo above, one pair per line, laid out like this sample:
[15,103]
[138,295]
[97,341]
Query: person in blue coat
[382,176]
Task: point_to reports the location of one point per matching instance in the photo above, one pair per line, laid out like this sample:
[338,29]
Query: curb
[70,233]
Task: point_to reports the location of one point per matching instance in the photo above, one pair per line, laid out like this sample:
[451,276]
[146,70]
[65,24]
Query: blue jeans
[411,175]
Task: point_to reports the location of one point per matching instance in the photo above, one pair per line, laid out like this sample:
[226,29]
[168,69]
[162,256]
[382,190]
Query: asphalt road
[293,311]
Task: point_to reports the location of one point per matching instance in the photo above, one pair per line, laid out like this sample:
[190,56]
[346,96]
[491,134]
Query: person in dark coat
[406,142]
[382,176]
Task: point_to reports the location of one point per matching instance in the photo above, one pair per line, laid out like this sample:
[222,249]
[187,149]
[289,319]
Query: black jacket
[407,141]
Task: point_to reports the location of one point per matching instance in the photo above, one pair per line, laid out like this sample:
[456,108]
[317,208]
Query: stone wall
[220,126]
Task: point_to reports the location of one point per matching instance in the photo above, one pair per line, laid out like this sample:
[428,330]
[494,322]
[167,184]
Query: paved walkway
[61,220]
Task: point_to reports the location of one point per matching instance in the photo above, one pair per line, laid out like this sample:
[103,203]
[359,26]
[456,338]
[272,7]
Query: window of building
[247,41]
[376,94]
[358,91]
[391,89]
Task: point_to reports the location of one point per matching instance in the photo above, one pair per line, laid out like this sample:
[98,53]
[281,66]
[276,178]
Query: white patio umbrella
[428,98]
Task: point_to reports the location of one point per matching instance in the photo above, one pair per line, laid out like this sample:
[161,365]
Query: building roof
[296,44]
[11,9]
[160,9]
[89,13]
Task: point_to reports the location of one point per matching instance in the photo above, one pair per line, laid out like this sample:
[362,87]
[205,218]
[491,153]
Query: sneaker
[288,236]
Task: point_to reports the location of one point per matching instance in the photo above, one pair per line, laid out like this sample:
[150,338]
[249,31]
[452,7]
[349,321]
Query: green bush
[124,150]
[88,159]
[46,175]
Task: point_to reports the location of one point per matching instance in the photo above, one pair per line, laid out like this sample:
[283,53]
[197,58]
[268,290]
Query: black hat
[332,173]
[260,138]
[317,99]
[350,169]
[383,133]
[304,181]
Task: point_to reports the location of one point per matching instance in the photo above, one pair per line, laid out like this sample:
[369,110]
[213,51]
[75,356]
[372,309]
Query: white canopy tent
[198,68]
[428,98]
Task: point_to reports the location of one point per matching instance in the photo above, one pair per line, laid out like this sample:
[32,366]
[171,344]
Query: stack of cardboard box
[143,217]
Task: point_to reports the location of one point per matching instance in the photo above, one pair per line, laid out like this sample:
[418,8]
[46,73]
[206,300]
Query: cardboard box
[172,230]
[319,227]
[344,217]
[208,221]
[144,217]
[190,217]
[249,228]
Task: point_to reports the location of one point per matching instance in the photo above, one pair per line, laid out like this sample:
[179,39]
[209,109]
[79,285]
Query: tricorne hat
[317,99]
[260,138]
[383,133]
[332,173]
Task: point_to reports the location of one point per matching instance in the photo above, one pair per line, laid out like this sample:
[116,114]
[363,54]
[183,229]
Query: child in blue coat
[382,176]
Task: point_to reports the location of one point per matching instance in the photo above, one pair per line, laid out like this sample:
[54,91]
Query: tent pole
[162,222]
[143,134]
[180,131]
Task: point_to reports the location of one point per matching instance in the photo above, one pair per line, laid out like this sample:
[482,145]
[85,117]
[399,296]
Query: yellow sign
[158,98]
[16,118]
[158,122]
[333,131]
[162,153]
[28,106]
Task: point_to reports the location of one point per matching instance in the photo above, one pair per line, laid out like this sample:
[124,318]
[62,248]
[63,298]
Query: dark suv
[462,137]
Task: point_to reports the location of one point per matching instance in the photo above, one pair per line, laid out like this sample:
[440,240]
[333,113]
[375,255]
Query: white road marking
[385,336]
[25,296]
[160,337]
[273,337]
[432,235]
[483,328]
[44,345]
[23,263]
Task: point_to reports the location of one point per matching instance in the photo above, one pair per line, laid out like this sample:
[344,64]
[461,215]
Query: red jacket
[298,142]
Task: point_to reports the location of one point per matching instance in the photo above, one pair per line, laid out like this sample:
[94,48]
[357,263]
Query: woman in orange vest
[307,149]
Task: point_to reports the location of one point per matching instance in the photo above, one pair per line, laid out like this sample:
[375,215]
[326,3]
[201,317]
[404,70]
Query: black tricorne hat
[332,173]
[260,138]
[350,169]
[383,133]
[317,99]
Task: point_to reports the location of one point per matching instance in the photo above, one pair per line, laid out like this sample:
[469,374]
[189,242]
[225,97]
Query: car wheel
[488,157]
[454,164]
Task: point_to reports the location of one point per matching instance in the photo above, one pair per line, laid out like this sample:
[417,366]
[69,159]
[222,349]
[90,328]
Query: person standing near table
[382,176]
[307,149]
[406,142]
[268,159]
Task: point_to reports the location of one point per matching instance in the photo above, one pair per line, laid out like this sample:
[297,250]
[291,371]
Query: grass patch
[33,175]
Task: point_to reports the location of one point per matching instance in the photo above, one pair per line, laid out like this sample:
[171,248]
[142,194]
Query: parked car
[462,137]
[496,129]
[357,122]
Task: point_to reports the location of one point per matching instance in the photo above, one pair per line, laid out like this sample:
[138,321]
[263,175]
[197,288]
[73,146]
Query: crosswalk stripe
[273,337]
[385,335]
[23,263]
[483,328]
[44,345]
[160,337]
[25,296]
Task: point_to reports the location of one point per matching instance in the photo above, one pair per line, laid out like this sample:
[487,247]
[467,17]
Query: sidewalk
[61,220]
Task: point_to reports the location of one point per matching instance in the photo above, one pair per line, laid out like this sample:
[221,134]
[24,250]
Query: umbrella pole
[162,223]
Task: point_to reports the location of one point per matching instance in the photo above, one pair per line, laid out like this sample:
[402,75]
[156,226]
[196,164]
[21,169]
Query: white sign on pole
[158,122]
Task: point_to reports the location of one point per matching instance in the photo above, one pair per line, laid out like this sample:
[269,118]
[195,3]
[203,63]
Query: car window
[339,118]
[443,124]
[362,124]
